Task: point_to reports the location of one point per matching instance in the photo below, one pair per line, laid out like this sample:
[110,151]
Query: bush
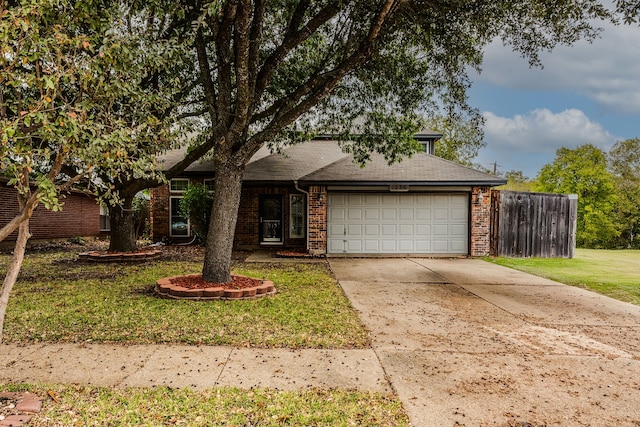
[196,205]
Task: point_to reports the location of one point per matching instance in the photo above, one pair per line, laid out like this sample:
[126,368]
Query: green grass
[615,273]
[58,299]
[99,406]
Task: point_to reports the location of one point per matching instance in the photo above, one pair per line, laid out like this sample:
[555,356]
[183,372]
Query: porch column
[317,220]
[480,221]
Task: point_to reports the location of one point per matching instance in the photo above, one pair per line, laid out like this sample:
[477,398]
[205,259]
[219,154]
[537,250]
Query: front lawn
[612,273]
[101,406]
[58,299]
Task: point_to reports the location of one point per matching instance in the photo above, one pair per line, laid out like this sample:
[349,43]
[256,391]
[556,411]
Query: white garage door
[400,223]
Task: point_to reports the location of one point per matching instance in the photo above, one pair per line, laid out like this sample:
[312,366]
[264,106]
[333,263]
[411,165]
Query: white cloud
[542,131]
[606,71]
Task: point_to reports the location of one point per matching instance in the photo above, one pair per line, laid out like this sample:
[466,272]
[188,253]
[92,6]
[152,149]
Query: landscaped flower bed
[194,287]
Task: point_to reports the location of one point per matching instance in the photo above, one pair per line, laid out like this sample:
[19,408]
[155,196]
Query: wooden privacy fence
[533,224]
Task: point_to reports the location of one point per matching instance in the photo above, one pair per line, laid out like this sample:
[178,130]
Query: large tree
[624,163]
[270,70]
[583,171]
[67,87]
[461,140]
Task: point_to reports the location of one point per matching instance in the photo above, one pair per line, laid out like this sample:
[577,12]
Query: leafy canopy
[583,171]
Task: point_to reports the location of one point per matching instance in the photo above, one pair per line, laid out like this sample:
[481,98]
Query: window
[208,184]
[105,219]
[179,224]
[296,213]
[179,184]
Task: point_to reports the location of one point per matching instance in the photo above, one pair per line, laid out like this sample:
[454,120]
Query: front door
[271,219]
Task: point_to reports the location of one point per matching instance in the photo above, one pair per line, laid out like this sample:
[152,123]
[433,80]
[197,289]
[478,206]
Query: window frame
[176,181]
[294,215]
[171,216]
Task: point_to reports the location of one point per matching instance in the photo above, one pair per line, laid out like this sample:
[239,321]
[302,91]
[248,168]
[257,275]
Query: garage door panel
[354,246]
[406,246]
[398,223]
[336,230]
[458,246]
[458,230]
[406,214]
[440,229]
[372,246]
[405,230]
[423,246]
[458,214]
[441,246]
[371,230]
[423,214]
[389,246]
[372,214]
[372,199]
[355,199]
[337,214]
[355,214]
[389,214]
[423,230]
[441,214]
[388,230]
[354,230]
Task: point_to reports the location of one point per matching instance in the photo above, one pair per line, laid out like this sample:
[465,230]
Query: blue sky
[587,93]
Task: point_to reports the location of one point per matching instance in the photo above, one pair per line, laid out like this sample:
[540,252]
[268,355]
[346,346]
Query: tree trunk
[222,228]
[123,227]
[14,270]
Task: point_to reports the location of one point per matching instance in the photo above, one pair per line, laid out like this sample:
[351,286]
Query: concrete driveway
[468,343]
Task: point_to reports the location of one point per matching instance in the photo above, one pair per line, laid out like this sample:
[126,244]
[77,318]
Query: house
[313,197]
[79,217]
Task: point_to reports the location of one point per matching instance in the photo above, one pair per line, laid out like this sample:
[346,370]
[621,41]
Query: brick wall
[480,221]
[248,225]
[159,213]
[317,220]
[79,217]
[247,234]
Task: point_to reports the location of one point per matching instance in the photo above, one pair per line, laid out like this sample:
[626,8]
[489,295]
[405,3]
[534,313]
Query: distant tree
[517,181]
[624,163]
[461,138]
[583,171]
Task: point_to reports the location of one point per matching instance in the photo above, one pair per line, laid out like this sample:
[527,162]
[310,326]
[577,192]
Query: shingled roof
[323,162]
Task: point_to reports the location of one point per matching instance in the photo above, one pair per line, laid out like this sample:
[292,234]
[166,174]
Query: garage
[398,223]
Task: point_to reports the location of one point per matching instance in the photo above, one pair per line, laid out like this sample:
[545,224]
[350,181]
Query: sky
[587,93]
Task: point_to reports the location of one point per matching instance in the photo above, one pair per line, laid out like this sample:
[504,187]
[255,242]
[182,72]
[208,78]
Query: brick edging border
[28,405]
[164,287]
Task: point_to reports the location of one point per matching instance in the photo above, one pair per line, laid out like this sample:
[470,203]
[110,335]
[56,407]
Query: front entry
[271,219]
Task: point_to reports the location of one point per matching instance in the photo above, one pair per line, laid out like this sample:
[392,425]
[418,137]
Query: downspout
[306,230]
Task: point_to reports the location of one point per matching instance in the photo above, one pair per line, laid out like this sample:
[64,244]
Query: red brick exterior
[480,221]
[79,217]
[159,213]
[248,225]
[317,220]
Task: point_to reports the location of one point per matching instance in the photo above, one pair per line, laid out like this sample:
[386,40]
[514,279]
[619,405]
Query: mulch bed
[196,282]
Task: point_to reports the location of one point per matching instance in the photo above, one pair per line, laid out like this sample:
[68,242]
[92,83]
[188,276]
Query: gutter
[306,231]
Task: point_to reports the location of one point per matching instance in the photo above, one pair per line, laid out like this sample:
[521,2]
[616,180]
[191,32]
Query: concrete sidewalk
[198,367]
